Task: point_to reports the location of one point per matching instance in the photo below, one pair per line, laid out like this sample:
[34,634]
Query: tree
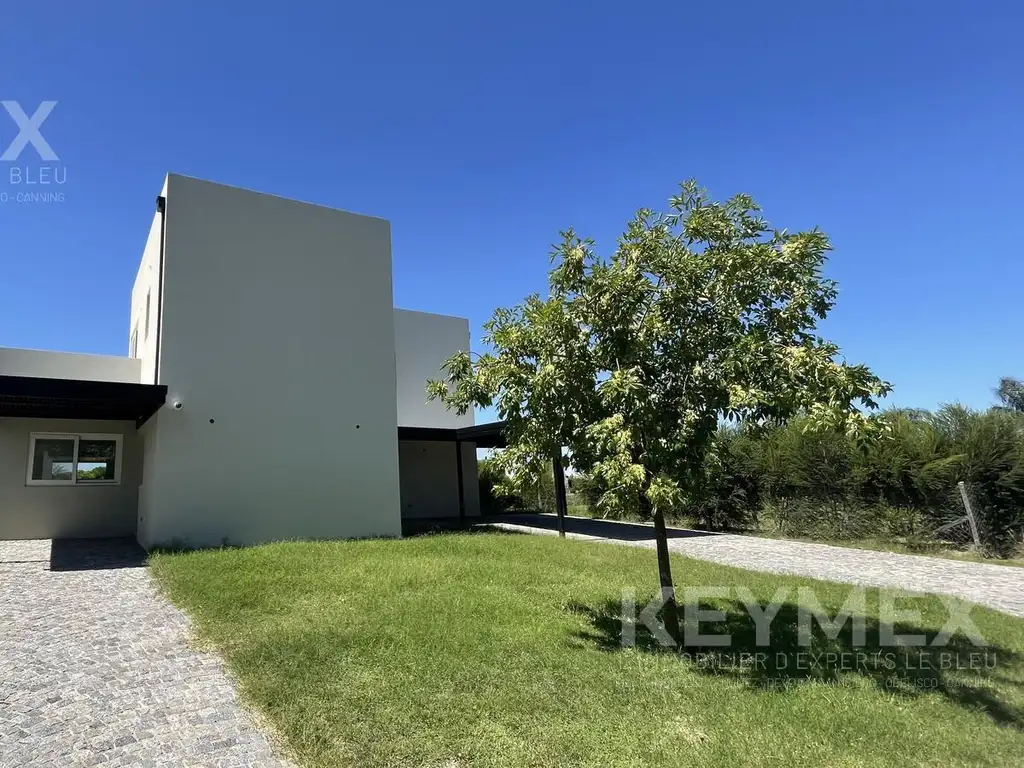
[701,313]
[1011,394]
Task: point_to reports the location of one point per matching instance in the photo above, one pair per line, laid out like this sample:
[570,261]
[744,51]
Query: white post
[970,513]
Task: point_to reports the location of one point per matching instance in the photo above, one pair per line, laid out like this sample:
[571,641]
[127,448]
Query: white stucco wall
[423,341]
[67,365]
[147,283]
[146,495]
[42,512]
[278,339]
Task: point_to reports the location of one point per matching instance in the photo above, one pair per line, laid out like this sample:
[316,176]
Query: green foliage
[590,490]
[900,485]
[103,472]
[908,472]
[1011,394]
[846,519]
[730,487]
[904,479]
[991,445]
[799,462]
[587,489]
[632,360]
[537,494]
[492,501]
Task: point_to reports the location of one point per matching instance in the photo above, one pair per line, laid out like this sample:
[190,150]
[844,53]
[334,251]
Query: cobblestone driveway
[97,670]
[997,586]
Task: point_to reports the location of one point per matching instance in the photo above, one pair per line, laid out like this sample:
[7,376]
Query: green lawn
[503,650]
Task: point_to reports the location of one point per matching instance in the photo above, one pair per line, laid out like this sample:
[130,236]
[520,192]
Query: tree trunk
[668,589]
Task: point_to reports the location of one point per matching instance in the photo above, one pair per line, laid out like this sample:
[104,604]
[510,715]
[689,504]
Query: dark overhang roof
[40,398]
[484,435]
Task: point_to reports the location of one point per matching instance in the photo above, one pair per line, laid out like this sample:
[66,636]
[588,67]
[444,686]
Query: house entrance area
[438,472]
[71,456]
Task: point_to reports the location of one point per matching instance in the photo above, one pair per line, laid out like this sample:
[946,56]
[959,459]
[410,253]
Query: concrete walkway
[96,668]
[996,586]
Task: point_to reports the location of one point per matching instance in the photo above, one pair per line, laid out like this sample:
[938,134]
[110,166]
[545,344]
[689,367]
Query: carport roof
[42,398]
[484,435]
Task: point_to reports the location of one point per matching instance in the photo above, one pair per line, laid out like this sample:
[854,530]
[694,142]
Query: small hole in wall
[357,426]
[211,421]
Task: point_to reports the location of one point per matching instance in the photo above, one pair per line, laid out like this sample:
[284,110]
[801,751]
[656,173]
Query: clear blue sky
[481,130]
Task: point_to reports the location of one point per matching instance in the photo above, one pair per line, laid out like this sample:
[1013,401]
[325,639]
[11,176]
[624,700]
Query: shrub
[590,490]
[492,502]
[900,485]
[991,445]
[730,484]
[538,495]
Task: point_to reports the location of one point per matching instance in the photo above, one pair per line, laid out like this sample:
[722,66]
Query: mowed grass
[504,650]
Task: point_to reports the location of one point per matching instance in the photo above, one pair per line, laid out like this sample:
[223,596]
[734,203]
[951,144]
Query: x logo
[28,128]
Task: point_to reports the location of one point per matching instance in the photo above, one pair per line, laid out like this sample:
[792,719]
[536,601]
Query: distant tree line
[899,484]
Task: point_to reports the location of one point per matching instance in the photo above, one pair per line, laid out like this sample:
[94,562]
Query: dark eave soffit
[484,435]
[43,398]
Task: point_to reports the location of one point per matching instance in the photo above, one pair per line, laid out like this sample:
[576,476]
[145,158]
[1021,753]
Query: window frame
[133,343]
[77,438]
[149,296]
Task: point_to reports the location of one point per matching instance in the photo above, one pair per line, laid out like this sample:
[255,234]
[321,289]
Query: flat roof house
[271,391]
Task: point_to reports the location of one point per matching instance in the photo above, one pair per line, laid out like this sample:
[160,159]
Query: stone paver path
[96,668]
[996,586]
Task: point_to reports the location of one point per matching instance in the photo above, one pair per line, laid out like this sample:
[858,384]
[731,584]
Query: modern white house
[271,391]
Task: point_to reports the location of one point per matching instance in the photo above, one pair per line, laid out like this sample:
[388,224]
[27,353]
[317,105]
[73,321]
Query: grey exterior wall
[278,339]
[68,365]
[430,479]
[423,341]
[147,284]
[146,503]
[42,512]
[272,323]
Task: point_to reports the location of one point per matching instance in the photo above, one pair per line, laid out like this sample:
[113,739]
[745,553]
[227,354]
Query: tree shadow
[956,668]
[615,530]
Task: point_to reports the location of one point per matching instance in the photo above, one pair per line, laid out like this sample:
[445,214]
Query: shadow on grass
[958,669]
[440,526]
[614,530]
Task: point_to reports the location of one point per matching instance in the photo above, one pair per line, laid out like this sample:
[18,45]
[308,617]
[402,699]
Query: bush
[538,495]
[899,486]
[729,493]
[992,449]
[847,520]
[589,490]
[492,502]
